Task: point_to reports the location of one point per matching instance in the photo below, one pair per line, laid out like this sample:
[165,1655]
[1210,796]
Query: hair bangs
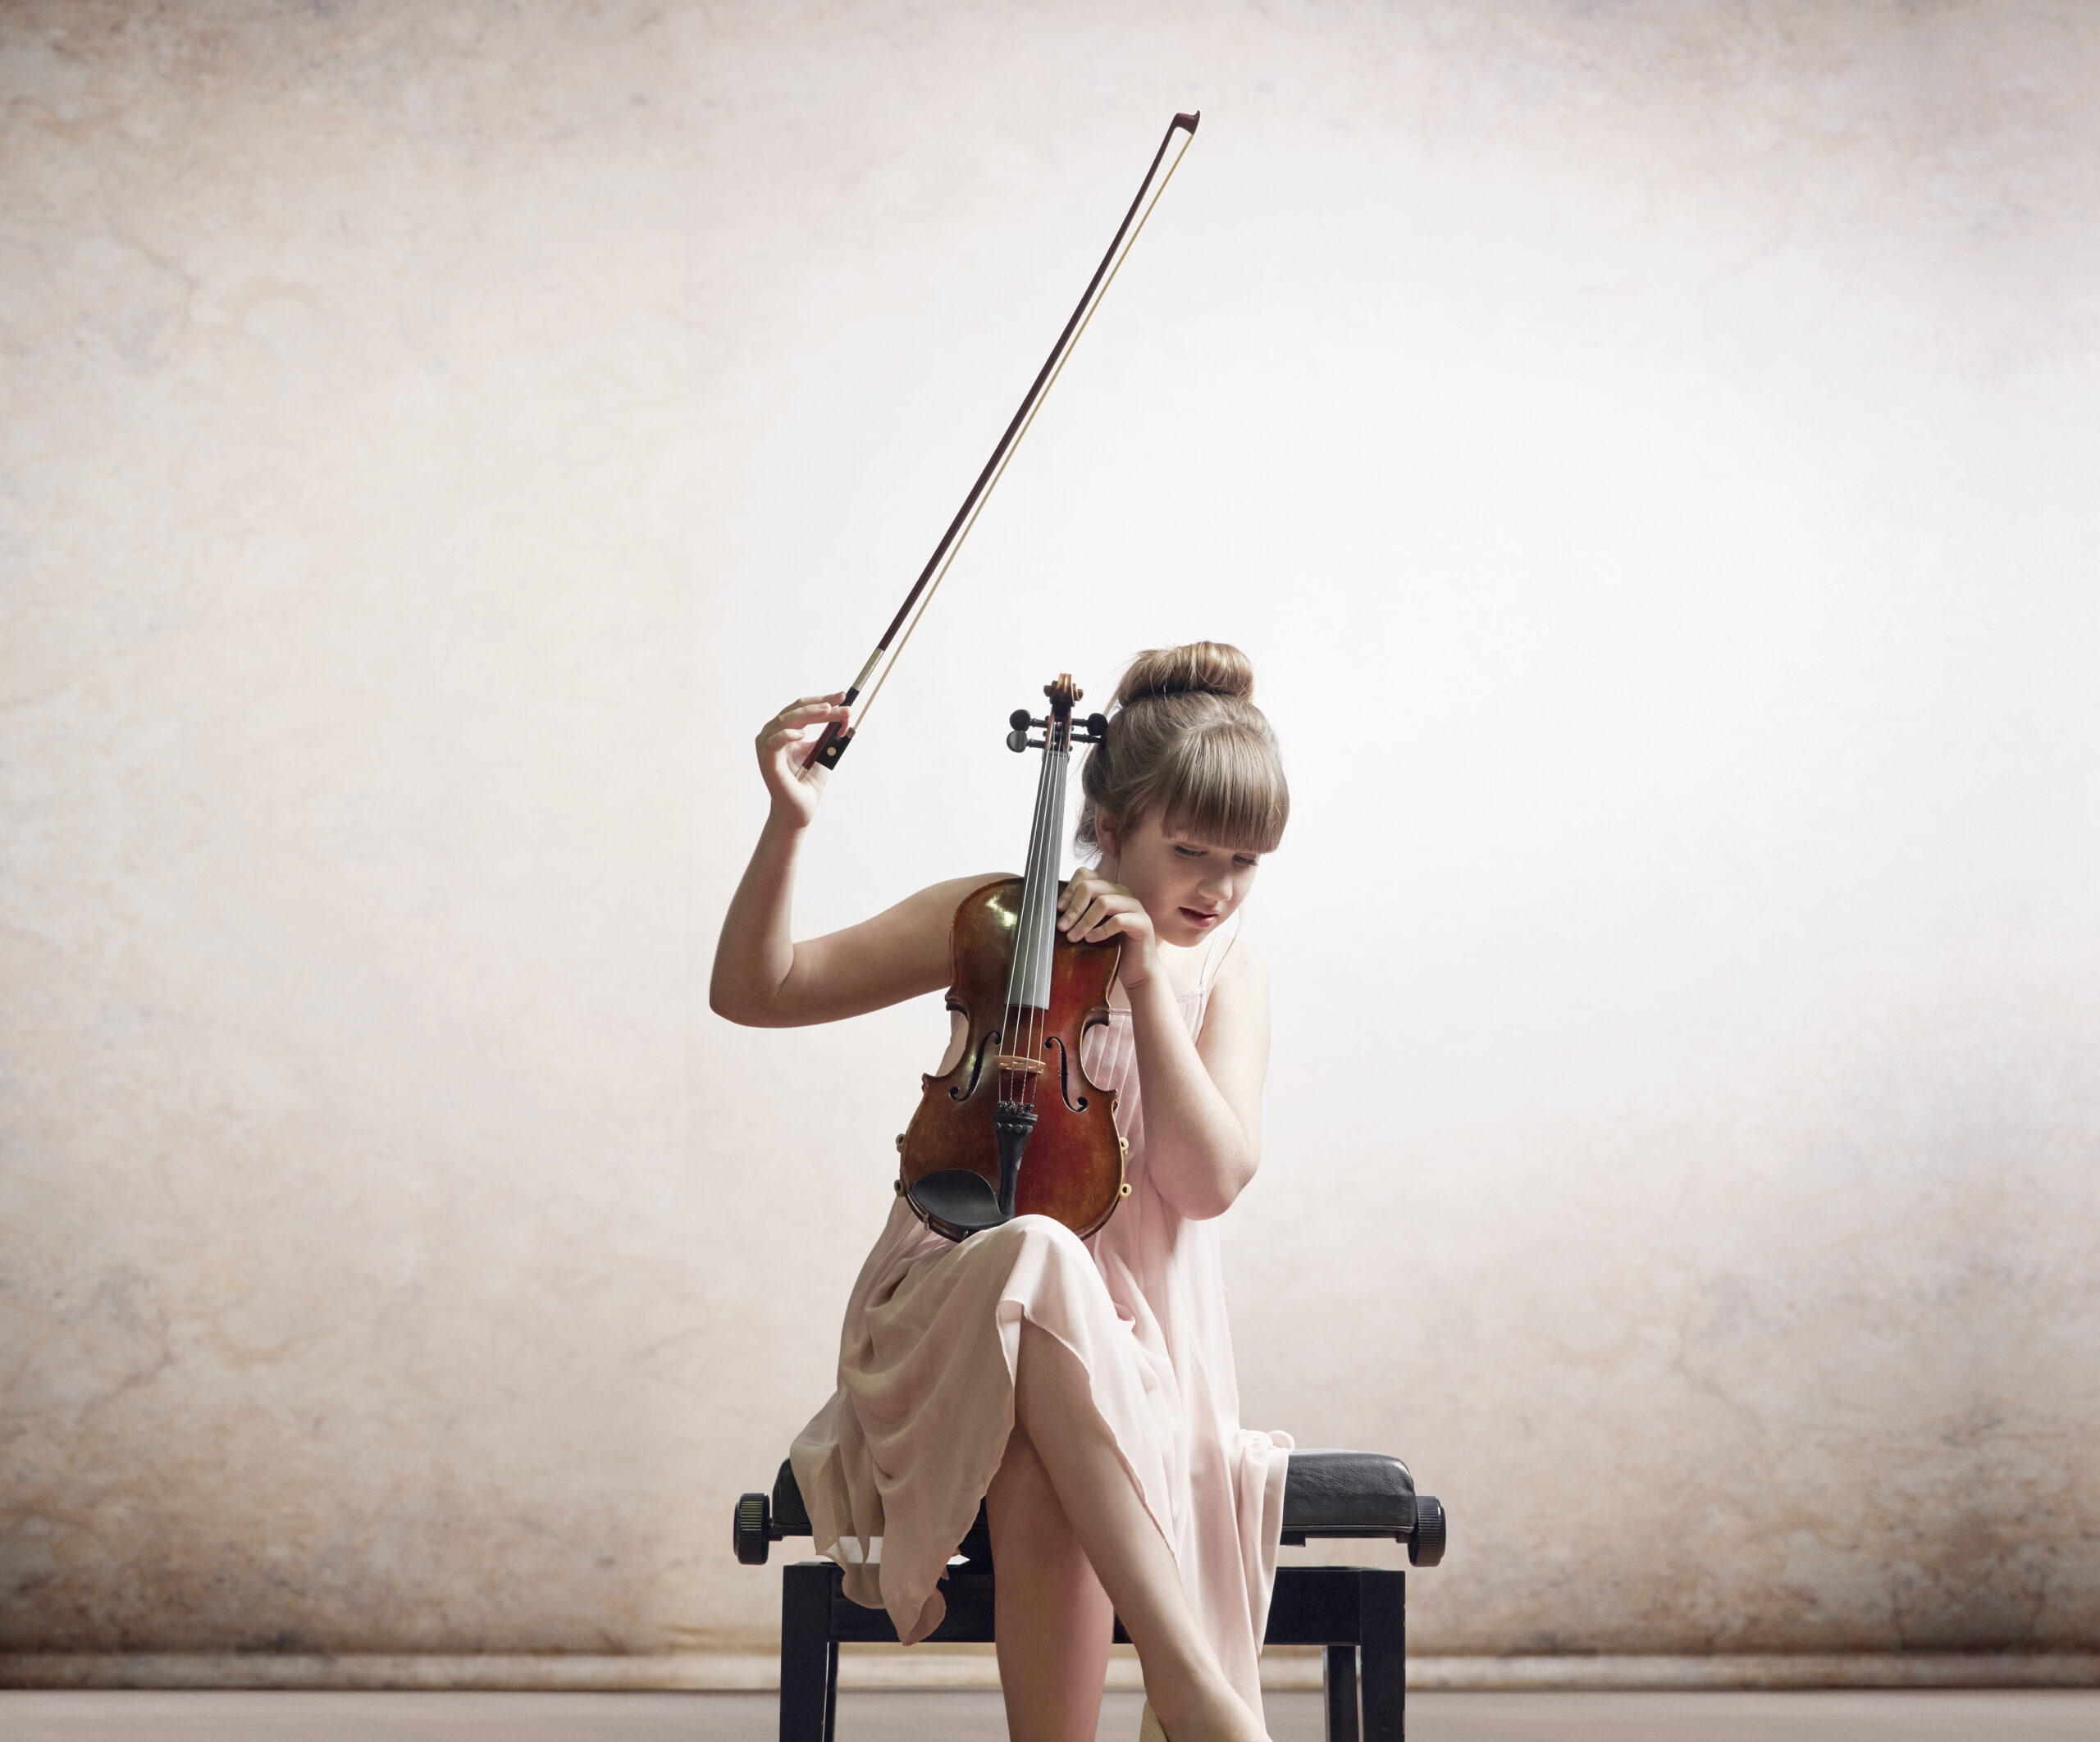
[1224,787]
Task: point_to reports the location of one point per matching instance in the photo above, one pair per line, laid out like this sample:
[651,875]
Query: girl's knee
[1024,1231]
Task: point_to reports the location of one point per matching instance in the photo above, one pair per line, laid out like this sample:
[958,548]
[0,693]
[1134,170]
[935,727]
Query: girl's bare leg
[1068,1440]
[1053,1619]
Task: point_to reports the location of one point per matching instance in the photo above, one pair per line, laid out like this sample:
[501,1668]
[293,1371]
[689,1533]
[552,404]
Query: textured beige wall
[1649,451]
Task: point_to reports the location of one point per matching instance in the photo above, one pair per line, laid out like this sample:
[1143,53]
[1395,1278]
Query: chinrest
[956,1202]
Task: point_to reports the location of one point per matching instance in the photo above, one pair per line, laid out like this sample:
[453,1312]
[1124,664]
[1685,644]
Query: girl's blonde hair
[1186,742]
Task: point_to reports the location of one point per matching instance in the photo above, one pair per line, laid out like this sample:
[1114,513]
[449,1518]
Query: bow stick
[832,745]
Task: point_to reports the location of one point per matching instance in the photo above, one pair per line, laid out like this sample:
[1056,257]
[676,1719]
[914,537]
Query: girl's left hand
[1091,910]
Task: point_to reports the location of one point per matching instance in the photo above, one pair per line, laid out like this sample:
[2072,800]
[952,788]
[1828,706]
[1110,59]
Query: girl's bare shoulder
[1242,976]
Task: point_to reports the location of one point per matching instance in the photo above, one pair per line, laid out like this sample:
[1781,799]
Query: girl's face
[1190,888]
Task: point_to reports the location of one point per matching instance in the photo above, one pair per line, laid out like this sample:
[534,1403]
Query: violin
[1027,994]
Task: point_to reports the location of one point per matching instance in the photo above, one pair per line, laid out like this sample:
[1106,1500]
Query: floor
[2025,1717]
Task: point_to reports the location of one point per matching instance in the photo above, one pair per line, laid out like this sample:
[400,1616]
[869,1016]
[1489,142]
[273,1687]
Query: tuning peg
[1097,726]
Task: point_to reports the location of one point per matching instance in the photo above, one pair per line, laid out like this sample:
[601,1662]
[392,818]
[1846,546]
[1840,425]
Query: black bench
[1357,1613]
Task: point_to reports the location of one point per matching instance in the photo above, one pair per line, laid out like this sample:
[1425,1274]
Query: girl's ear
[1104,832]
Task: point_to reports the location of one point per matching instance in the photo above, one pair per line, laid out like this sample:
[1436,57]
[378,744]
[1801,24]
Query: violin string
[1037,915]
[1024,929]
[1011,1042]
[1046,868]
[1040,916]
[1024,934]
[1047,865]
[1059,767]
[955,549]
[1053,848]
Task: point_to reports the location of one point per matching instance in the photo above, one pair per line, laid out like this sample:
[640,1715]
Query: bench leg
[1338,1680]
[809,1656]
[1383,1623]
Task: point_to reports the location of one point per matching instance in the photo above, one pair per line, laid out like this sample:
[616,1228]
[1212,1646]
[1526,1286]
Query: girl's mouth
[1200,920]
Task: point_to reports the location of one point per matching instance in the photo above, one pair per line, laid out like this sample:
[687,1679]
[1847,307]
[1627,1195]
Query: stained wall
[1647,451]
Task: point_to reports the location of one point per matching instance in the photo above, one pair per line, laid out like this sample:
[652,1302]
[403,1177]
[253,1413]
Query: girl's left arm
[1204,1098]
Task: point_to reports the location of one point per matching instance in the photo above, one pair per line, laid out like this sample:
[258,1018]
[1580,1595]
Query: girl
[1085,1390]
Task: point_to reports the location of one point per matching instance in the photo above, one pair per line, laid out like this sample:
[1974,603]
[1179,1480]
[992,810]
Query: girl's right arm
[763,978]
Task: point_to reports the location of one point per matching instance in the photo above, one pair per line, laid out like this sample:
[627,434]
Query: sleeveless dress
[894,1467]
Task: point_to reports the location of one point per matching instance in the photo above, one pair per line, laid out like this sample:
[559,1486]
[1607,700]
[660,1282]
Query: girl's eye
[1189,852]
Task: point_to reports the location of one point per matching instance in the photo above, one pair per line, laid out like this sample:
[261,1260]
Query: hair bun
[1198,668]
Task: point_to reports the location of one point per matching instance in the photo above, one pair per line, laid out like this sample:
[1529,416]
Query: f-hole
[1065,1074]
[964,1091]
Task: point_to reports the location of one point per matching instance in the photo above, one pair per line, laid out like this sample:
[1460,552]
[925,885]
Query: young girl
[1085,1390]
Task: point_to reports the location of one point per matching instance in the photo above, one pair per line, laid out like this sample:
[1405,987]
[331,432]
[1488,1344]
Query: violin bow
[832,745]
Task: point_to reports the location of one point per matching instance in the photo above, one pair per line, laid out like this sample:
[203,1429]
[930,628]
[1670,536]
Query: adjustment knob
[1020,719]
[753,1536]
[1017,739]
[1426,1542]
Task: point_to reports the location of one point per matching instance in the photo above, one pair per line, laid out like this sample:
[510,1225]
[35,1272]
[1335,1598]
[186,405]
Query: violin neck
[1028,983]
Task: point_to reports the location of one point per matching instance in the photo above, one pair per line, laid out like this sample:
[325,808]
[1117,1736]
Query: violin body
[1074,1166]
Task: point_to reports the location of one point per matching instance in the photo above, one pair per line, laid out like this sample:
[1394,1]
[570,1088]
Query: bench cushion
[1326,1494]
[1347,1493]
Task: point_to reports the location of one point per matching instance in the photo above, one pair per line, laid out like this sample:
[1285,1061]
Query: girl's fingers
[1103,915]
[796,722]
[1124,917]
[797,730]
[1091,908]
[811,707]
[1085,886]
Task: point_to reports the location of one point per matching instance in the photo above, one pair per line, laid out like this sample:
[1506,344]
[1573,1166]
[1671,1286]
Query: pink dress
[893,1467]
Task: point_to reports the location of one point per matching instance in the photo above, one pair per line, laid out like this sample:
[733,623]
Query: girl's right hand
[784,742]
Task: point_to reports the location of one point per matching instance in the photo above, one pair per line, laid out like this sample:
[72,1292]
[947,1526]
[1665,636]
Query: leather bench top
[1327,1492]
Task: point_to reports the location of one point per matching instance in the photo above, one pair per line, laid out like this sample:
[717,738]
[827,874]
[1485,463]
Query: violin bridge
[1007,1061]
